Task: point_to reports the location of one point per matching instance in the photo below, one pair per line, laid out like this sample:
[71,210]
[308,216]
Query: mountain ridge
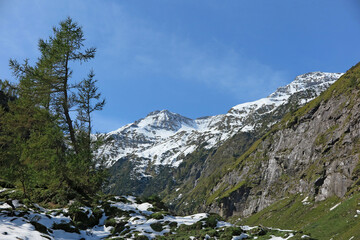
[164,124]
[312,151]
[149,151]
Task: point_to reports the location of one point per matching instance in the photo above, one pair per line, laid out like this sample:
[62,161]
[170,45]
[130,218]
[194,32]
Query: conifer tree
[87,94]
[7,93]
[29,142]
[88,100]
[53,73]
[38,137]
[63,48]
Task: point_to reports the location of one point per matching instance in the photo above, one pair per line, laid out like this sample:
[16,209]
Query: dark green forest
[46,142]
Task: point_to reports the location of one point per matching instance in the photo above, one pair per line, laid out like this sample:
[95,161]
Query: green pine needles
[45,149]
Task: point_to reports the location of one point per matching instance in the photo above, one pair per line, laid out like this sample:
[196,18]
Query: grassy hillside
[333,218]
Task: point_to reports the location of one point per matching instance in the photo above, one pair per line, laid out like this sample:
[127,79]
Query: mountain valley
[300,152]
[226,140]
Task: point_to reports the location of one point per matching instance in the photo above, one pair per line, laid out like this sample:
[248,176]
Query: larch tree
[53,73]
[49,91]
[88,100]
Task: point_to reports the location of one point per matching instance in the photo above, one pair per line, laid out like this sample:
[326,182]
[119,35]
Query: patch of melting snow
[133,207]
[4,206]
[39,207]
[281,238]
[281,230]
[18,228]
[305,201]
[17,204]
[223,224]
[144,207]
[3,190]
[187,220]
[247,228]
[242,236]
[335,206]
[21,228]
[13,227]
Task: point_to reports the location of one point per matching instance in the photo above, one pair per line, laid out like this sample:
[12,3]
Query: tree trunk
[66,108]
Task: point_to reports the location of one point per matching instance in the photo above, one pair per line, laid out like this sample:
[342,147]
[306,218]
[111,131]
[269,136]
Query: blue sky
[196,58]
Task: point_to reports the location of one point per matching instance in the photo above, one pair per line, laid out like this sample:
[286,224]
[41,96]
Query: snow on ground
[17,228]
[133,206]
[187,220]
[335,206]
[306,201]
[223,224]
[247,228]
[20,224]
[242,236]
[281,230]
[5,206]
[3,190]
[280,238]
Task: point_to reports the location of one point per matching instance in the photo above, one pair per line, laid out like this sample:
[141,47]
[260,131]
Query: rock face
[162,141]
[314,151]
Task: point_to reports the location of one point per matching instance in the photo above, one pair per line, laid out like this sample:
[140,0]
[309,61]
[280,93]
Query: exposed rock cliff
[314,151]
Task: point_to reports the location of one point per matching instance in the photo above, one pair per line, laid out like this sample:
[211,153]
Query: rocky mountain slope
[311,157]
[162,141]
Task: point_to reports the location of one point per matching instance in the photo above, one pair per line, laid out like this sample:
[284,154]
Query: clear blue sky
[195,58]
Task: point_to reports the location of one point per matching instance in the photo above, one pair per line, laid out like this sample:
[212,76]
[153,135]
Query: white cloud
[233,73]
[138,46]
[142,49]
[132,48]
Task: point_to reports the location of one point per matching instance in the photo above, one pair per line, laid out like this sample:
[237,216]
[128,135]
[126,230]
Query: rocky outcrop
[314,151]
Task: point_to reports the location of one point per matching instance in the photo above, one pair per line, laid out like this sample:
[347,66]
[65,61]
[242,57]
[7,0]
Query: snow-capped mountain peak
[165,138]
[317,81]
[313,81]
[165,120]
[156,125]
